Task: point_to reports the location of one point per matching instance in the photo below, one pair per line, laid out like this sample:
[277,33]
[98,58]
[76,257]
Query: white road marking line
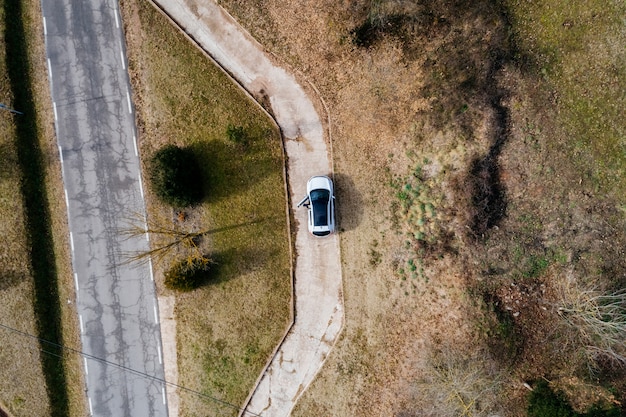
[141,187]
[159,351]
[150,266]
[67,200]
[82,330]
[163,391]
[156,317]
[49,69]
[117,21]
[123,61]
[90,408]
[139,176]
[147,237]
[135,144]
[72,241]
[130,109]
[45,29]
[54,106]
[76,282]
[61,154]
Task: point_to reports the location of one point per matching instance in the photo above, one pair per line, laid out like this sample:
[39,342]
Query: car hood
[316,183]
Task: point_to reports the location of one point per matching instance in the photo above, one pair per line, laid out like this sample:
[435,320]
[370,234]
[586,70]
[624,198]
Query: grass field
[228,327]
[35,261]
[578,51]
[19,358]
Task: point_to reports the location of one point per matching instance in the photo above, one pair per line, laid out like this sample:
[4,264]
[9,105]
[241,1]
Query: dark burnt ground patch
[464,51]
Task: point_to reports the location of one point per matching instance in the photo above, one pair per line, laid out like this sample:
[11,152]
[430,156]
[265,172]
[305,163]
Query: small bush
[175,176]
[597,411]
[544,402]
[236,135]
[378,25]
[188,274]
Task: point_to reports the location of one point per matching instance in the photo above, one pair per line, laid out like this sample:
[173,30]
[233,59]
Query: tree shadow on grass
[8,167]
[235,262]
[229,169]
[489,196]
[36,208]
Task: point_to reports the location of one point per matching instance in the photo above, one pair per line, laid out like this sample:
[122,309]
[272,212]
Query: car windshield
[319,200]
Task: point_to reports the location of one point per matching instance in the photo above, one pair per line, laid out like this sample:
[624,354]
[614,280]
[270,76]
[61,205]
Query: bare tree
[165,240]
[598,317]
[171,239]
[457,385]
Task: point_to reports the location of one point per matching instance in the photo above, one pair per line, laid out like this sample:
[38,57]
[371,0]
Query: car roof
[320,209]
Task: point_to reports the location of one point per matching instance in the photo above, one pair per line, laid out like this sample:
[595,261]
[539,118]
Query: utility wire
[4,106]
[124,368]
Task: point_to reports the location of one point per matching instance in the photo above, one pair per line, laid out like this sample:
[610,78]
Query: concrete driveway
[318,287]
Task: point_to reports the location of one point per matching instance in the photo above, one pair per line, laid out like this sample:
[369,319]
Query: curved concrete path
[317,286]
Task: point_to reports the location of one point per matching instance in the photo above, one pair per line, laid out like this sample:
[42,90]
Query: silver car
[320,202]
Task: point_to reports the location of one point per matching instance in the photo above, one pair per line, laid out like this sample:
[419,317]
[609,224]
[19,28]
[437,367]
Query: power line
[124,368]
[4,106]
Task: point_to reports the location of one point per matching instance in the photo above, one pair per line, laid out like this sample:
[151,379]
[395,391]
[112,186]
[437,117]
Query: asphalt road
[95,128]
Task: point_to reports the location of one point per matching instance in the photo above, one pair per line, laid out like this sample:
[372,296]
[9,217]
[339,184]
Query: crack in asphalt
[95,132]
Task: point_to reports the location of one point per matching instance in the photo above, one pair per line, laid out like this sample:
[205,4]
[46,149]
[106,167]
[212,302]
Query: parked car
[320,202]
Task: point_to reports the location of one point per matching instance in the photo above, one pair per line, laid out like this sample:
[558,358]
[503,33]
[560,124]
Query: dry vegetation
[19,357]
[479,154]
[456,384]
[25,390]
[227,328]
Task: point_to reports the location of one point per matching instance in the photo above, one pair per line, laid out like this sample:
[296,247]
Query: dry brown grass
[383,127]
[77,404]
[24,387]
[445,87]
[22,391]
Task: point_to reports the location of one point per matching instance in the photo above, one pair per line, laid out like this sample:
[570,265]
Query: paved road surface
[96,135]
[318,297]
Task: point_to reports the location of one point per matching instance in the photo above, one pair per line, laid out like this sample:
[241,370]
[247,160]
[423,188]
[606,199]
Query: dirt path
[317,284]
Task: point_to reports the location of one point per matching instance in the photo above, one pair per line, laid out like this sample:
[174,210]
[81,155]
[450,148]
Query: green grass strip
[40,244]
